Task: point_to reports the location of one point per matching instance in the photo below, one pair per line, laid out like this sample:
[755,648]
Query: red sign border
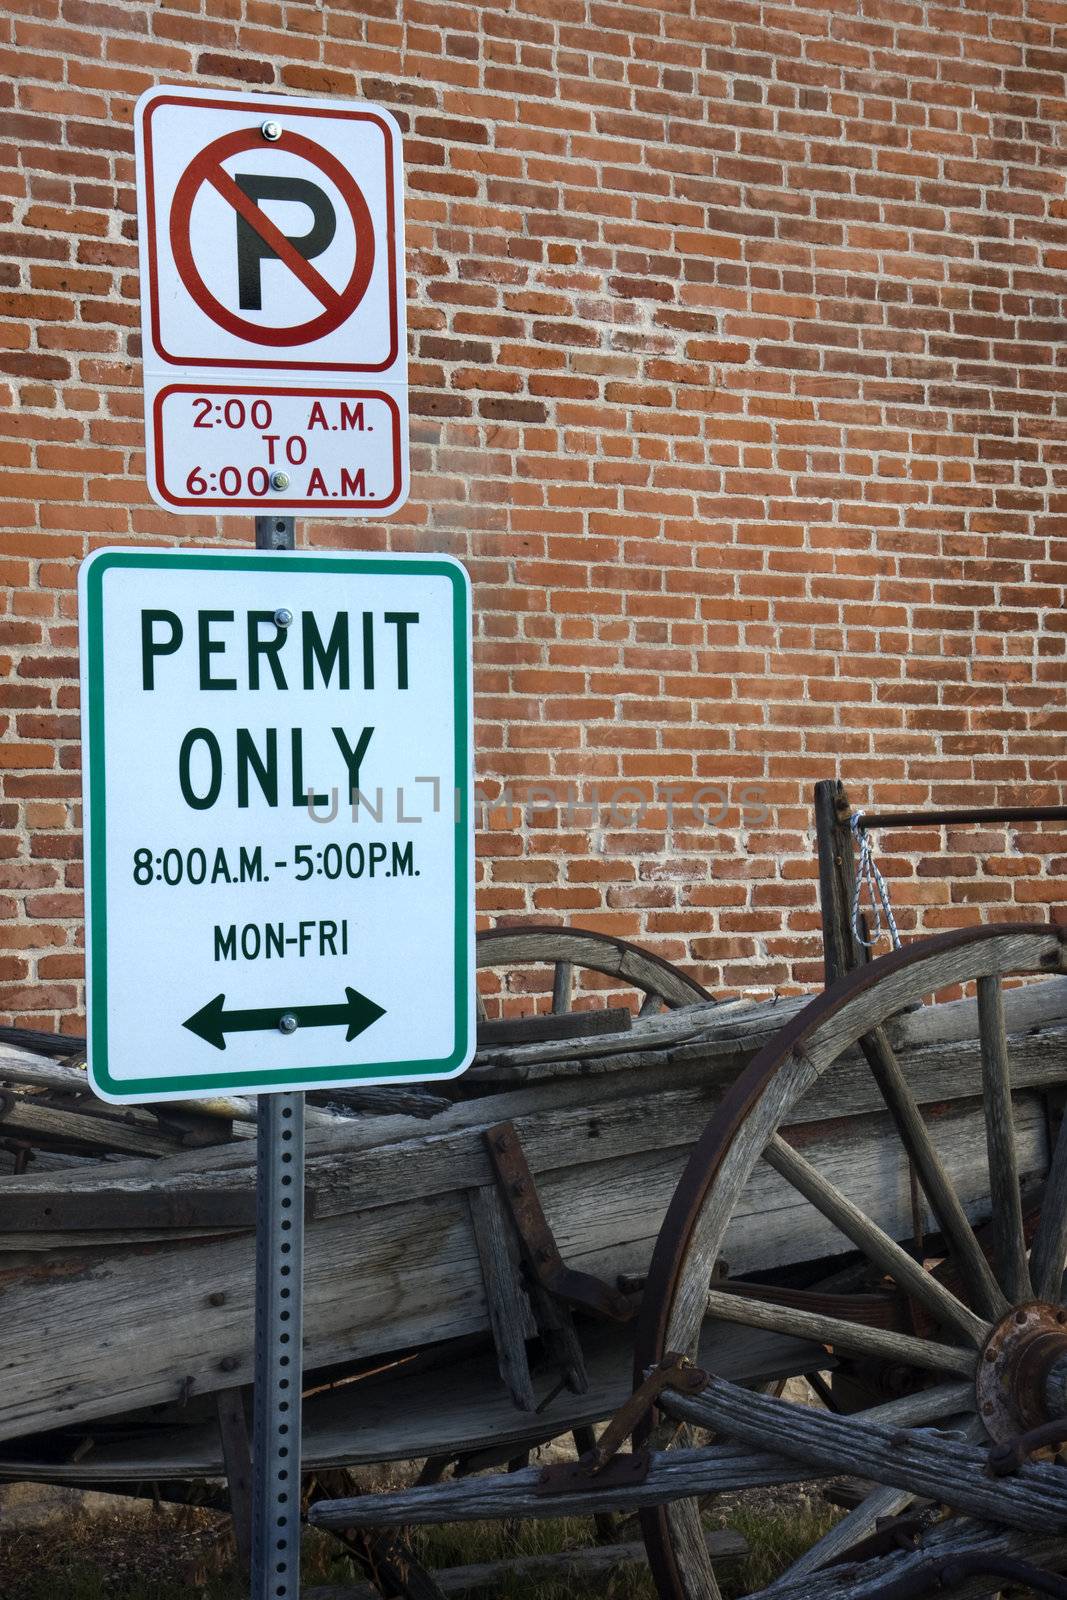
[266,504]
[196,175]
[262,109]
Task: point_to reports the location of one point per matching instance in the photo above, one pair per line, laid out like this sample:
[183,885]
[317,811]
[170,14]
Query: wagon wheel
[570,950]
[992,1354]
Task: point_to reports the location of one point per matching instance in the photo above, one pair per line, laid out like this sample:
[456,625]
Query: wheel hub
[1020,1379]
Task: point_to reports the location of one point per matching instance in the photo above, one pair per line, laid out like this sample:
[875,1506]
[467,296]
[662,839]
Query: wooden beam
[506,1303]
[581,1566]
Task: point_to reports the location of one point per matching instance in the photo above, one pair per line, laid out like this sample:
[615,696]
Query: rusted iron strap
[568,1476]
[950,1571]
[960,817]
[540,1251]
[894,1533]
[673,1372]
[604,1465]
[1009,1456]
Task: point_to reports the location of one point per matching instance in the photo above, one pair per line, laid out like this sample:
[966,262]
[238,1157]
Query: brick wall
[737,382]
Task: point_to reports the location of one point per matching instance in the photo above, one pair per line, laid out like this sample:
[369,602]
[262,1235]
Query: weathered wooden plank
[553,1025]
[418,1268]
[237,1458]
[122,1212]
[456,1409]
[40,1072]
[560,1126]
[508,1307]
[810,1444]
[675,1474]
[38,1120]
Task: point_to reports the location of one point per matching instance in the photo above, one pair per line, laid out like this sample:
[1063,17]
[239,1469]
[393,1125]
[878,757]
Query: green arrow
[212,1023]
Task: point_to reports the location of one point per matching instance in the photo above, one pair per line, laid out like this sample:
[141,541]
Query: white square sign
[272,300]
[279,879]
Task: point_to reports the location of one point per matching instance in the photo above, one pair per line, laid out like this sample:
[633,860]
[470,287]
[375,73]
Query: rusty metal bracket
[570,1477]
[1008,1456]
[605,1465]
[540,1251]
[673,1372]
[891,1534]
[949,1571]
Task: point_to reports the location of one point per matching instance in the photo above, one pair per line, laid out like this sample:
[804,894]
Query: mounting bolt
[279,480]
[283,617]
[217,1298]
[229,1364]
[287,1023]
[518,1187]
[271,130]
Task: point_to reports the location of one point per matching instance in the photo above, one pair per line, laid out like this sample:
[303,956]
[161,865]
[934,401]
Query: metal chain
[877,890]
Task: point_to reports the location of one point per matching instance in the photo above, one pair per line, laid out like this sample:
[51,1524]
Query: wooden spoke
[1049,1250]
[651,1004]
[480,1008]
[854,1336]
[875,1243]
[986,1294]
[562,978]
[861,1521]
[1009,1239]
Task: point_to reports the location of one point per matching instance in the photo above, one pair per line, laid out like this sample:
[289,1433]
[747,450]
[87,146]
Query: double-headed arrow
[212,1023]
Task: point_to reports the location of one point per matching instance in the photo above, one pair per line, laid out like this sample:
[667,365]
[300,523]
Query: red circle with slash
[338,304]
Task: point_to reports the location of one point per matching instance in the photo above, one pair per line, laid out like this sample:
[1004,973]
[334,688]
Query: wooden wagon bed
[407,1246]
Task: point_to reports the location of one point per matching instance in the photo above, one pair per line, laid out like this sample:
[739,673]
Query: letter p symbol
[253,249]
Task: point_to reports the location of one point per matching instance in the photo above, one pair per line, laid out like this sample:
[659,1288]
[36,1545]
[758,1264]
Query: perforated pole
[279,1306]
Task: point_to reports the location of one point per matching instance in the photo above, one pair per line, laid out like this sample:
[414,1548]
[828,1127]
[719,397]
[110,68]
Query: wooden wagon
[652,1218]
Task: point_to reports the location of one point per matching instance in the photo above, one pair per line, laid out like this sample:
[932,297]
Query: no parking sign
[272,293]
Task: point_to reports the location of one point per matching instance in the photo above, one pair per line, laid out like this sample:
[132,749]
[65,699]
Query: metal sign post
[291,697]
[276,1411]
[278,1355]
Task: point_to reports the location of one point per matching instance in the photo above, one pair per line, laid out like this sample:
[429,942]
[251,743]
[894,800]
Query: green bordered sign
[279,878]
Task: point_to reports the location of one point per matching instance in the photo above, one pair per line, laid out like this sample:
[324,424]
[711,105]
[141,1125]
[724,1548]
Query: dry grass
[187,1555]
